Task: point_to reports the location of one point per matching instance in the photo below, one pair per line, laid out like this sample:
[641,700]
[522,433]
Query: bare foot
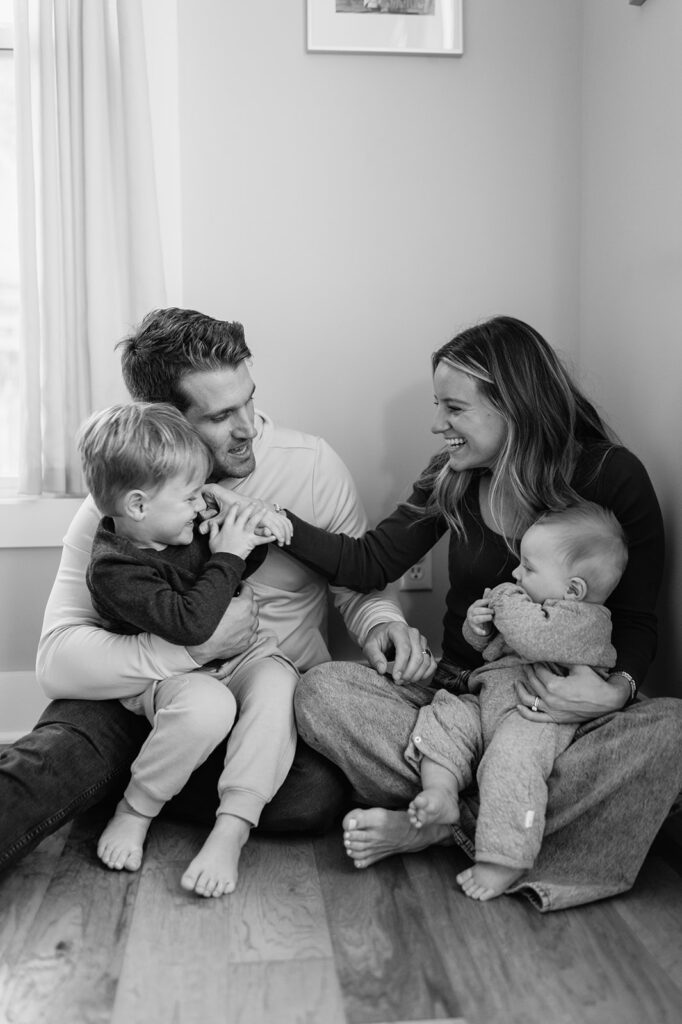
[213,872]
[434,806]
[370,835]
[120,845]
[485,881]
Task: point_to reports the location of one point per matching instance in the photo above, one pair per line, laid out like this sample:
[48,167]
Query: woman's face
[472,428]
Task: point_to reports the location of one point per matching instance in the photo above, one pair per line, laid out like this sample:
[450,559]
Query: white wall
[631,257]
[354,211]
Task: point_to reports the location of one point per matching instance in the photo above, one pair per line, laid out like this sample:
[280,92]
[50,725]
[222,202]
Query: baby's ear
[576,589]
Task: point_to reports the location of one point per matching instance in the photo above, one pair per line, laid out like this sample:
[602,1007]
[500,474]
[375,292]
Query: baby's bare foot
[485,881]
[370,835]
[434,806]
[213,872]
[120,845]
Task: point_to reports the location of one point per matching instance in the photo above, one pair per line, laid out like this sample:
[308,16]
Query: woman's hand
[578,697]
[219,500]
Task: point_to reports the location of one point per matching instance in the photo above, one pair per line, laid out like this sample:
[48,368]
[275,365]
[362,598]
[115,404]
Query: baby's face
[541,573]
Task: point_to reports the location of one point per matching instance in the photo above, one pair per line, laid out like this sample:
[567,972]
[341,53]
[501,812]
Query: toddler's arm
[270,524]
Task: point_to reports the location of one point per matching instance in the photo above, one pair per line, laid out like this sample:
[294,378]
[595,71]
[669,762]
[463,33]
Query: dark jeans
[80,752]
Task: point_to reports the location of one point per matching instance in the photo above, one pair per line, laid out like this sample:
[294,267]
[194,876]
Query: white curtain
[90,253]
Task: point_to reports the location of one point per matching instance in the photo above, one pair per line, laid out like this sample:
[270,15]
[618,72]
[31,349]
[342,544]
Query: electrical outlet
[419,576]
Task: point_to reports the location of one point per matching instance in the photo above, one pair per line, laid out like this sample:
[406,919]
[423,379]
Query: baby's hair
[138,445]
[592,543]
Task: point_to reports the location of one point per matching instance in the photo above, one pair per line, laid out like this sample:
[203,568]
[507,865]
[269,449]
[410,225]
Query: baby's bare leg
[438,802]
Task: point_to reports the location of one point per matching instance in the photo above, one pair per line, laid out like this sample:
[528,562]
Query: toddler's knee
[210,714]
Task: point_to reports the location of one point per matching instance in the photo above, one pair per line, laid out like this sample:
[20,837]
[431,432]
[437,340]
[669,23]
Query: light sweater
[77,658]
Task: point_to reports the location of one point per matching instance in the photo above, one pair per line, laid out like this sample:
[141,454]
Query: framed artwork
[385,26]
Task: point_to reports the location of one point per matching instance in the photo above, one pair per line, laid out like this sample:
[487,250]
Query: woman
[520,438]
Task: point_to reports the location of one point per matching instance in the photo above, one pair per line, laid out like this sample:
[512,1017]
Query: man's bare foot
[120,845]
[213,872]
[434,806]
[485,881]
[370,835]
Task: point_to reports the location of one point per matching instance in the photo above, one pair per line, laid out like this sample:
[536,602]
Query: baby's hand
[239,533]
[479,615]
[272,525]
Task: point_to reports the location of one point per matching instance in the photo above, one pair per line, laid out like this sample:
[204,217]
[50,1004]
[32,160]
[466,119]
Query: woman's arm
[370,562]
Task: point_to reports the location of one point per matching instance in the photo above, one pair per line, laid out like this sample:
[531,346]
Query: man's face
[221,410]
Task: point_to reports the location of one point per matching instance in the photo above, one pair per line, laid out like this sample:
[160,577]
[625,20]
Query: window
[9,262]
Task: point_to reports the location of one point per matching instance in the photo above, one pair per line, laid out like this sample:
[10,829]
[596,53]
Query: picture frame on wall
[431,27]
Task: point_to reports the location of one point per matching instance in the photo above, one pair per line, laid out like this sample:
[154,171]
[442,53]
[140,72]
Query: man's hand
[578,697]
[233,635]
[405,646]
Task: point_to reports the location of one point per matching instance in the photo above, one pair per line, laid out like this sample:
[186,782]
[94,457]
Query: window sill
[35,522]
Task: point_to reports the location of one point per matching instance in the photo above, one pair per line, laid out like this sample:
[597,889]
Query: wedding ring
[535,704]
[427,653]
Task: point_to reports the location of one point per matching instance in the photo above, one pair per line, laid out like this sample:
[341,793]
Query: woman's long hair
[548,423]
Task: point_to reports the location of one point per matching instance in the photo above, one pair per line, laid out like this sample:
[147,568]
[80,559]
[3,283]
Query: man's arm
[77,657]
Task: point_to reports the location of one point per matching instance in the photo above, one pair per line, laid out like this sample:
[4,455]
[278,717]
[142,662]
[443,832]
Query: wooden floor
[308,938]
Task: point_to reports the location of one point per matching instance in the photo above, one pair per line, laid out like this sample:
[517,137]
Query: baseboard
[21,703]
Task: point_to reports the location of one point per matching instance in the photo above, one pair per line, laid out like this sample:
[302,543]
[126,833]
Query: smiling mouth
[454,443]
[243,449]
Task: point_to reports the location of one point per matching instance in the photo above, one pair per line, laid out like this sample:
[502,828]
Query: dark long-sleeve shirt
[616,480]
[180,593]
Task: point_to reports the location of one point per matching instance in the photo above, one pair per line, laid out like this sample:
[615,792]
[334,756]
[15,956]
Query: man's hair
[171,343]
[592,543]
[140,445]
[548,422]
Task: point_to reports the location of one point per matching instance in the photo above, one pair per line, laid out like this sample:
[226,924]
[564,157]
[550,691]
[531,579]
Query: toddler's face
[541,573]
[172,509]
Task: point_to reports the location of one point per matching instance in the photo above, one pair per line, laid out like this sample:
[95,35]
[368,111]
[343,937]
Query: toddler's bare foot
[485,881]
[213,872]
[120,845]
[370,835]
[434,806]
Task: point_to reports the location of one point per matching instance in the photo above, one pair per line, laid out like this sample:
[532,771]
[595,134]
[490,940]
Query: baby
[570,562]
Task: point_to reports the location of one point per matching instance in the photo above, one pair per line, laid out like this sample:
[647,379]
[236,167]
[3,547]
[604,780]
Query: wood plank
[22,888]
[389,962]
[275,913]
[281,992]
[511,964]
[67,969]
[264,951]
[653,912]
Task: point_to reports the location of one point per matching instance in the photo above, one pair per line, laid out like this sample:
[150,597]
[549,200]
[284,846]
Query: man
[81,749]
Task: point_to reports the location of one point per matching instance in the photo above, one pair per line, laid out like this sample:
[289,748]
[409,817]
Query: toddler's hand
[238,534]
[272,525]
[479,615]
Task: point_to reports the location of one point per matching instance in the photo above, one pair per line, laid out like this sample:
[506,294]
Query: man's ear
[576,589]
[134,505]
